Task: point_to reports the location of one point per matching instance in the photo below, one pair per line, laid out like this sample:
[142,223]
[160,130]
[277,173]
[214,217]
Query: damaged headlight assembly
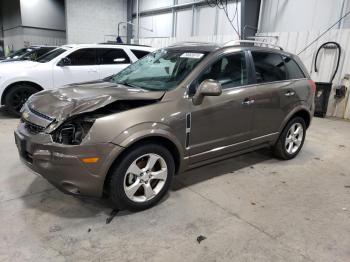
[73,131]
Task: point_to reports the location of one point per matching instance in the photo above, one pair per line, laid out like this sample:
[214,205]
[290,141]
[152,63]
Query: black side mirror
[207,88]
[65,61]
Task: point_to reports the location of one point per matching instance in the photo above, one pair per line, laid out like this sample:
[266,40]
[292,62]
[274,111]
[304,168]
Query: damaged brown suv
[178,108]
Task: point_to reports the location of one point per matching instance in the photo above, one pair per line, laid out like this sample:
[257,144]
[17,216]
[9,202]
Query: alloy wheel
[294,138]
[145,177]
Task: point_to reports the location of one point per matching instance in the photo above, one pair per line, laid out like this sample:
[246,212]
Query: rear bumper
[61,164]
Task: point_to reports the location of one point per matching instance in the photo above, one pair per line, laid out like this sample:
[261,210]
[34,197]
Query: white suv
[62,66]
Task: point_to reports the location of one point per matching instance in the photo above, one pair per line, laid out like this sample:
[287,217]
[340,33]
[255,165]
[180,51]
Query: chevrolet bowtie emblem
[25,115]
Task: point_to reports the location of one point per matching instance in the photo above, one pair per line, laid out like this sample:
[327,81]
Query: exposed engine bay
[74,130]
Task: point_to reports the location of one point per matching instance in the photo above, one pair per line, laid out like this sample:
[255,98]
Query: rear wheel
[142,177]
[291,139]
[17,96]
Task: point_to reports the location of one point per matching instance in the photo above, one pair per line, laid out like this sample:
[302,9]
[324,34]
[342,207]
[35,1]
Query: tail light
[313,85]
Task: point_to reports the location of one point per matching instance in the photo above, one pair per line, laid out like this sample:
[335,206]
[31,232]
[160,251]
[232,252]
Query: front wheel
[17,96]
[142,177]
[291,139]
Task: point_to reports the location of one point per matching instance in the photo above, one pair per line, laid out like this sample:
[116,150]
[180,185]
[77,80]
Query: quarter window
[83,57]
[269,67]
[113,56]
[293,70]
[229,71]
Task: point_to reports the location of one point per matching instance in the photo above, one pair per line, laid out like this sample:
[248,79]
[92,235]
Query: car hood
[12,66]
[62,103]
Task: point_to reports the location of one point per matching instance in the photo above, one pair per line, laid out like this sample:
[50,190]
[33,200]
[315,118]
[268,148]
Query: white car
[62,66]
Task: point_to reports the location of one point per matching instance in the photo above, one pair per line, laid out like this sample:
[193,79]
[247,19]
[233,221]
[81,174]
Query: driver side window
[229,71]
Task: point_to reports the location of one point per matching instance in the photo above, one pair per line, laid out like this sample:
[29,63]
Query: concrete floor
[249,208]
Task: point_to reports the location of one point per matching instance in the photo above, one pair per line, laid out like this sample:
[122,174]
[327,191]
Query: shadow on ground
[5,115]
[59,204]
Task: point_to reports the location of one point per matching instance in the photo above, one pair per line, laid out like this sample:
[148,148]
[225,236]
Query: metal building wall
[295,42]
[200,23]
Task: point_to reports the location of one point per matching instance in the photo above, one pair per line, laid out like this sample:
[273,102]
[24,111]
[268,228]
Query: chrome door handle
[290,93]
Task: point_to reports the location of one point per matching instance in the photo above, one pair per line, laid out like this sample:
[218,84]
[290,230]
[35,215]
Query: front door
[83,68]
[222,124]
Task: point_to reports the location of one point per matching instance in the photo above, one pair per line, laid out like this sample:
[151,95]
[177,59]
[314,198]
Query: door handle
[289,93]
[248,101]
[92,71]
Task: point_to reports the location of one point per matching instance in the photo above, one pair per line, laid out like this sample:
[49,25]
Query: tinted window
[113,56]
[293,70]
[83,57]
[139,53]
[269,67]
[230,71]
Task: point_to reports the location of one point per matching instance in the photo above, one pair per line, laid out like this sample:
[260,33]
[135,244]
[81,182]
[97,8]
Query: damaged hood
[62,103]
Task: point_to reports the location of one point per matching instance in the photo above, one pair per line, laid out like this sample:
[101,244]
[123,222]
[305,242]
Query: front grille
[32,128]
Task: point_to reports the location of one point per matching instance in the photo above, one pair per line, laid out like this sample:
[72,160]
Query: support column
[250,10]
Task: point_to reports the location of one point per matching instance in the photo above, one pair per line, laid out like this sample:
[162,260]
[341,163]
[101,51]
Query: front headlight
[72,132]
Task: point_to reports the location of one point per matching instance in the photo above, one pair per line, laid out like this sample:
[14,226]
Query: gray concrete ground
[249,208]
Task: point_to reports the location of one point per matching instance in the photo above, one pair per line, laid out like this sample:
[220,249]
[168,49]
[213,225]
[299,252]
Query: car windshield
[19,53]
[161,70]
[50,55]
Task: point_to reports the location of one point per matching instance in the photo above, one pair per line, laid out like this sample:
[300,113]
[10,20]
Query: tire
[289,145]
[17,96]
[130,189]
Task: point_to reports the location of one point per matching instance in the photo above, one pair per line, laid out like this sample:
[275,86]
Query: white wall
[89,21]
[43,13]
[301,15]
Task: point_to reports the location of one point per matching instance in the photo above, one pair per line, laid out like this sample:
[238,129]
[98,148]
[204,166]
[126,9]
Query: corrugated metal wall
[295,42]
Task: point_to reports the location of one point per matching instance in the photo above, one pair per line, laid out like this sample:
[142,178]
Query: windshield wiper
[125,83]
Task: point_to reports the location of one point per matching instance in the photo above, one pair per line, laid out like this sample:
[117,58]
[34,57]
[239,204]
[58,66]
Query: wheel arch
[302,112]
[8,88]
[157,139]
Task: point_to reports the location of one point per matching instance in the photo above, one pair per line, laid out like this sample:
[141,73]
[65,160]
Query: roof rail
[116,43]
[237,42]
[194,43]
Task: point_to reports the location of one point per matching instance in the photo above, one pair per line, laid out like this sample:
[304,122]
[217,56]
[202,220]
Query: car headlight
[72,132]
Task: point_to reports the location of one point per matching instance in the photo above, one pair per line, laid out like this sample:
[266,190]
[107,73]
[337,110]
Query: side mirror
[119,60]
[207,88]
[65,61]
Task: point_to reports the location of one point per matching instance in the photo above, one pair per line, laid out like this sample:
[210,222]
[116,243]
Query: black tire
[280,148]
[119,175]
[17,96]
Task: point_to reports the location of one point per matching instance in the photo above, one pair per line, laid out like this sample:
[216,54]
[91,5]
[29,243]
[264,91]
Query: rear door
[222,124]
[274,94]
[111,61]
[83,68]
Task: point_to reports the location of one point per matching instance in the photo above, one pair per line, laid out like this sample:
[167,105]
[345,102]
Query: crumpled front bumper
[62,165]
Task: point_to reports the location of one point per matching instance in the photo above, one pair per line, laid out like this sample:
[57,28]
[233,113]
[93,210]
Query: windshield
[19,53]
[50,55]
[161,70]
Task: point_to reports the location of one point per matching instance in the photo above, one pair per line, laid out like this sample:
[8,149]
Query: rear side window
[293,70]
[139,53]
[269,67]
[110,56]
[83,57]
